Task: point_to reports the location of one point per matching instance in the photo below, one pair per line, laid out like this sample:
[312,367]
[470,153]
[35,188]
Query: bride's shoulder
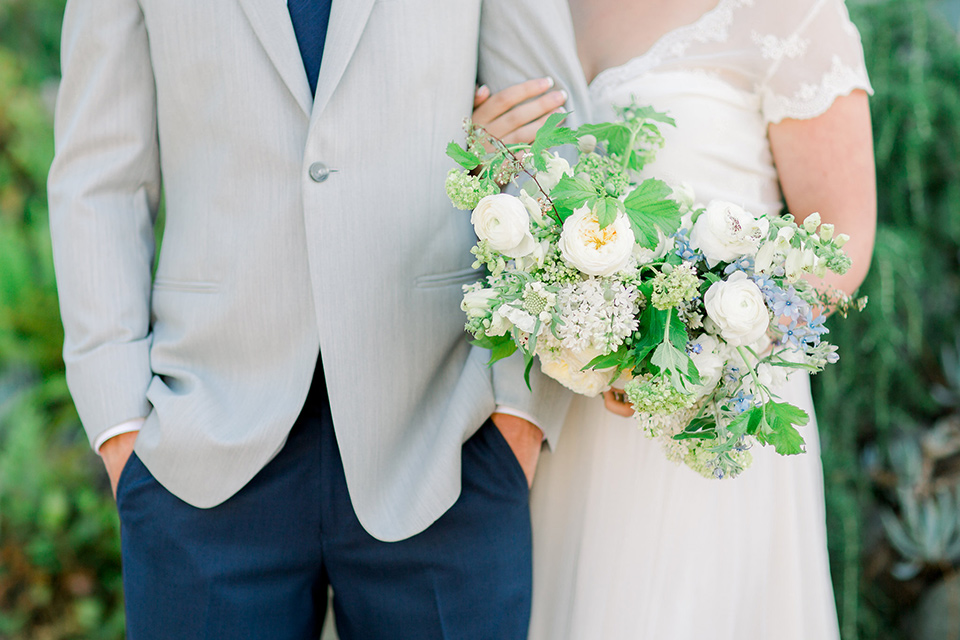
[779,16]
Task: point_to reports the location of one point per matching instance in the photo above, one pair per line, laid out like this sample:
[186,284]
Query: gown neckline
[666,39]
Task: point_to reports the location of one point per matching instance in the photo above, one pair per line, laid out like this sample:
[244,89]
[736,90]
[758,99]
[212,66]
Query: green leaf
[649,113]
[781,418]
[551,134]
[500,347]
[462,157]
[572,193]
[616,135]
[703,428]
[615,359]
[650,208]
[607,211]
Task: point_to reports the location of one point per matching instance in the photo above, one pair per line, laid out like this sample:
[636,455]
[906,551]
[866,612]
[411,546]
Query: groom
[301,155]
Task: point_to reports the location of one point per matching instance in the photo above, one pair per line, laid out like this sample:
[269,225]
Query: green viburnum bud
[465,190]
[650,394]
[676,287]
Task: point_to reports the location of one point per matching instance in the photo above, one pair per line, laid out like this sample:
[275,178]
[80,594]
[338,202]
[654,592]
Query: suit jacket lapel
[347,20]
[271,23]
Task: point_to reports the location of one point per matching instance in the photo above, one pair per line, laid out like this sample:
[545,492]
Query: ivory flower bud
[706,357]
[557,167]
[811,222]
[841,239]
[737,308]
[826,231]
[794,264]
[764,260]
[587,143]
[596,251]
[533,206]
[504,223]
[725,232]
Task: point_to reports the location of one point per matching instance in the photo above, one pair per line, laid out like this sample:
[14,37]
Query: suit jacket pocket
[459,277]
[190,286]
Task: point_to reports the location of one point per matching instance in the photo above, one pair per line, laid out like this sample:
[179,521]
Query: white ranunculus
[596,251]
[737,307]
[725,232]
[557,167]
[565,367]
[503,221]
[772,377]
[706,357]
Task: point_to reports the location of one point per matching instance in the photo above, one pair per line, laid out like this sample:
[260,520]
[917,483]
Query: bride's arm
[826,164]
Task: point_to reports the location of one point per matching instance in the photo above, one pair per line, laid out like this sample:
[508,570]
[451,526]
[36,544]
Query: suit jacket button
[319,172]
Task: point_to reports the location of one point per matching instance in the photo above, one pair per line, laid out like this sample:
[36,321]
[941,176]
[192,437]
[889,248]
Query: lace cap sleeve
[810,67]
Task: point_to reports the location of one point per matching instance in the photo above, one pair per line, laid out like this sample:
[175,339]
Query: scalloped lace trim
[712,26]
[812,100]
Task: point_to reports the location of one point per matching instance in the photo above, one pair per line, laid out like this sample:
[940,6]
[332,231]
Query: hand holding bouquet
[702,310]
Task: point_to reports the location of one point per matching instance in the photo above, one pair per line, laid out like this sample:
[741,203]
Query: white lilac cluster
[703,310]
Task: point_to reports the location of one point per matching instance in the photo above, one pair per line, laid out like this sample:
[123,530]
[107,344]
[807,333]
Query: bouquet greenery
[700,311]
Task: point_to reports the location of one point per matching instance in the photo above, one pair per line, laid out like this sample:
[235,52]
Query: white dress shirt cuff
[124,427]
[510,411]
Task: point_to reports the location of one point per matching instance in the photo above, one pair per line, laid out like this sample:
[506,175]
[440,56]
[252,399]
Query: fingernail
[547,83]
[564,94]
[559,110]
[481,89]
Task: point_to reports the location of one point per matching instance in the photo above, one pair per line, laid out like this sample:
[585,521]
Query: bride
[770,103]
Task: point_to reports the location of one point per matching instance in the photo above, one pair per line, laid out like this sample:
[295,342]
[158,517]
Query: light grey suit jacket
[260,264]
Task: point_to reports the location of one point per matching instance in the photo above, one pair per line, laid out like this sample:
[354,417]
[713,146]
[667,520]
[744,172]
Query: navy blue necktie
[310,18]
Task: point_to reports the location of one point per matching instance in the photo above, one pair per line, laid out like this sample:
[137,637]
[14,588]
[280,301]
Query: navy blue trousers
[258,565]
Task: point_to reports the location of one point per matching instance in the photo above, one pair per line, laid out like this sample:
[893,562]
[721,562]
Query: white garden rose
[503,221]
[596,251]
[705,353]
[737,308]
[557,167]
[725,232]
[565,366]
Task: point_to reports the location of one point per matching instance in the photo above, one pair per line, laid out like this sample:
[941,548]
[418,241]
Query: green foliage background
[59,545]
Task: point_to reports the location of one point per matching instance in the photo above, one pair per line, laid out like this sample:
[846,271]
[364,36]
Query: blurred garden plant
[59,545]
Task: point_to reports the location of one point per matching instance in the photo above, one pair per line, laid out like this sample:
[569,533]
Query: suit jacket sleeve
[104,188]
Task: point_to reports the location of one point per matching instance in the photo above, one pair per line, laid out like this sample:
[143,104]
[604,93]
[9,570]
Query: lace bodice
[796,55]
[726,77]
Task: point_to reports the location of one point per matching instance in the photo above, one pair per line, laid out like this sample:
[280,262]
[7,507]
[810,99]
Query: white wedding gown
[626,544]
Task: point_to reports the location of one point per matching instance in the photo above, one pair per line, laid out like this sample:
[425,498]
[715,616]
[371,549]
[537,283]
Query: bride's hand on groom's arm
[514,114]
[524,438]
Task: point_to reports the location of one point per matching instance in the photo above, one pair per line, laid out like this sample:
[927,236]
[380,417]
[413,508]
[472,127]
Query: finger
[502,101]
[481,95]
[615,406]
[526,113]
[527,133]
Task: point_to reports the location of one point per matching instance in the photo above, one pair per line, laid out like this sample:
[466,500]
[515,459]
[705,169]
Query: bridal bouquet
[699,311]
